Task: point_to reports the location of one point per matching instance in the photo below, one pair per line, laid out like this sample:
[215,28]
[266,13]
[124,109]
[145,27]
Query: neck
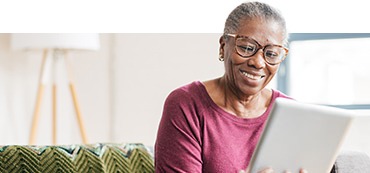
[239,104]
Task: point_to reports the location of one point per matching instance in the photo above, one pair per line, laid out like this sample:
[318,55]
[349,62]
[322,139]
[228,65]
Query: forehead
[263,31]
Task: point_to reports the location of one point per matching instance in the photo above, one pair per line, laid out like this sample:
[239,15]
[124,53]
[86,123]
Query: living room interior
[121,90]
[121,87]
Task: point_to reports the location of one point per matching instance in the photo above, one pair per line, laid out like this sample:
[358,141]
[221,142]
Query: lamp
[59,45]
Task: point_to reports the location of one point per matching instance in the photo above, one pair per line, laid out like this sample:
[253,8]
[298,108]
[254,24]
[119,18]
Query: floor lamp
[59,45]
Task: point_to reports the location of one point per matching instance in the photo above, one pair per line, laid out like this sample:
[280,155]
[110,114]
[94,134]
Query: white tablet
[299,135]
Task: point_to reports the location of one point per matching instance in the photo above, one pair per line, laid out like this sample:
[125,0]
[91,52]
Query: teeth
[252,76]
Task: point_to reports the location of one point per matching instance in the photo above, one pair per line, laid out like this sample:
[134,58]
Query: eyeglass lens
[247,47]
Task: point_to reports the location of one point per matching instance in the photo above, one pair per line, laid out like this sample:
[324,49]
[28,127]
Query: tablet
[301,135]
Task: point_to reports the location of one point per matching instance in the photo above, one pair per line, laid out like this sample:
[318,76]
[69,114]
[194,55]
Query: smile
[251,76]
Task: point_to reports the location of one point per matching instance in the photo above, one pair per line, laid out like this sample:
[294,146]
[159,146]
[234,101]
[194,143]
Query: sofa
[116,158]
[352,162]
[94,158]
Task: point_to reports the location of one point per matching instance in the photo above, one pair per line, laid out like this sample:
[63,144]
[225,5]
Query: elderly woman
[214,126]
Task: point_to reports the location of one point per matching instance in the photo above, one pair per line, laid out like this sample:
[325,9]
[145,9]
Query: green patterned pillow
[98,158]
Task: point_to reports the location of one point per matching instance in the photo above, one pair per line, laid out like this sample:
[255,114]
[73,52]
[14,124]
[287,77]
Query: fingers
[267,170]
[300,171]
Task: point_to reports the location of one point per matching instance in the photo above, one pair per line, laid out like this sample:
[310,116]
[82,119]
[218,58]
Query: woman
[214,126]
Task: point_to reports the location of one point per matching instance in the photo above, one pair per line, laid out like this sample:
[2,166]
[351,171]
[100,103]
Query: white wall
[149,66]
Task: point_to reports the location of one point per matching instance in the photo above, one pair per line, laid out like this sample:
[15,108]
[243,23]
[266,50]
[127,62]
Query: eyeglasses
[246,47]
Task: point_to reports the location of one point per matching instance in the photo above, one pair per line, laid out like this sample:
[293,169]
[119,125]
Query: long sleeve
[178,144]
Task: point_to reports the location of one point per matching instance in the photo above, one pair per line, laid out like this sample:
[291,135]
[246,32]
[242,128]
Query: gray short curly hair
[250,10]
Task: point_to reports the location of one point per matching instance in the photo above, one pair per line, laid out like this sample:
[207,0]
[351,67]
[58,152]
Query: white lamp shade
[85,41]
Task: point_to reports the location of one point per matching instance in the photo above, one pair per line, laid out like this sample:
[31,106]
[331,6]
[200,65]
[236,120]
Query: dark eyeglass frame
[236,36]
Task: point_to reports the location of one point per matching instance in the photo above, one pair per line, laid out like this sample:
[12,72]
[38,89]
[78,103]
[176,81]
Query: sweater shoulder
[278,93]
[186,93]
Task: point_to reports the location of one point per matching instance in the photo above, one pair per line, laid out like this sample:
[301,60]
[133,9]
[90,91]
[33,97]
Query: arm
[178,143]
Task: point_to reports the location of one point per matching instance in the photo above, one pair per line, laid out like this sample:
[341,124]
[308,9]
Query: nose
[257,60]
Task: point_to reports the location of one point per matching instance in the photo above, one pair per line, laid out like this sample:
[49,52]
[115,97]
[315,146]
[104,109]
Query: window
[330,69]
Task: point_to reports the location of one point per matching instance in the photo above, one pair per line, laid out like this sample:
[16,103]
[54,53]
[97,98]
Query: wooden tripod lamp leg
[78,113]
[54,114]
[75,102]
[40,92]
[36,114]
[54,100]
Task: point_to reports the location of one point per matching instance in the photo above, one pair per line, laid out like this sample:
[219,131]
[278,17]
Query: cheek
[228,65]
[272,70]
[230,69]
[232,60]
[231,63]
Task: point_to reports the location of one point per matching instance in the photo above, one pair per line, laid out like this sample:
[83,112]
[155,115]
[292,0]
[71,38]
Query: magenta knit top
[196,135]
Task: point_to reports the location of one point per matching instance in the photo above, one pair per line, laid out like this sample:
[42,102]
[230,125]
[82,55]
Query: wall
[146,68]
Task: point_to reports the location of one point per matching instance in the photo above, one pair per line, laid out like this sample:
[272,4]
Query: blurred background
[149,48]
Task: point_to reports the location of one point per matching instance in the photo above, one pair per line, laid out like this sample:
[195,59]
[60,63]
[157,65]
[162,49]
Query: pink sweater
[196,135]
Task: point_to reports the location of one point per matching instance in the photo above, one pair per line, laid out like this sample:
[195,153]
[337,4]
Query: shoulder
[185,93]
[277,93]
[185,102]
[191,97]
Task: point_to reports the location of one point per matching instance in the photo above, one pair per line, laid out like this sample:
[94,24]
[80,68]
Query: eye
[271,54]
[247,49]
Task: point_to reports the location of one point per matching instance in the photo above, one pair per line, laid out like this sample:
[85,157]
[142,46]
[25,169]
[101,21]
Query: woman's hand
[300,171]
[267,170]
[270,170]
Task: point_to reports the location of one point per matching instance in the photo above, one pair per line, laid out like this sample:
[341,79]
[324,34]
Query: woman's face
[248,76]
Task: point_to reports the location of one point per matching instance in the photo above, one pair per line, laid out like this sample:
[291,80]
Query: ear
[222,42]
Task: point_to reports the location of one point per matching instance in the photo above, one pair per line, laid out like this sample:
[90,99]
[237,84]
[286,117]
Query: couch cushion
[352,162]
[108,158]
